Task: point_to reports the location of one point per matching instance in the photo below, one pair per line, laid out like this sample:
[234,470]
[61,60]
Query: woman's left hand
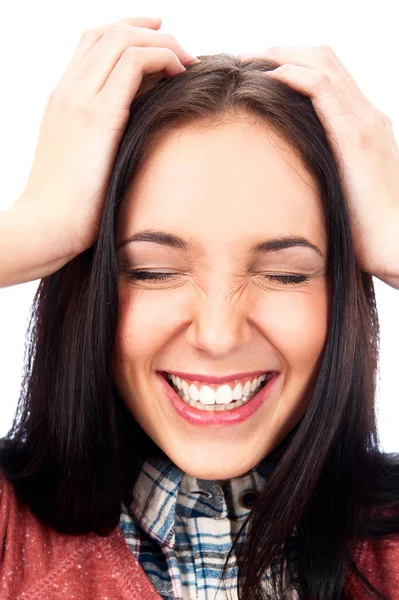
[363,143]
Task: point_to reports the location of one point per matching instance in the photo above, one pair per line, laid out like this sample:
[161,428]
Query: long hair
[74,450]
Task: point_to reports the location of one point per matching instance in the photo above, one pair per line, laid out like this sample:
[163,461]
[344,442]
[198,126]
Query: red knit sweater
[39,563]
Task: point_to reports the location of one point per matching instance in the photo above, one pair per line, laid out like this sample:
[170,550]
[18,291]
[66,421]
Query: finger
[91,36]
[99,62]
[319,58]
[126,77]
[314,57]
[339,109]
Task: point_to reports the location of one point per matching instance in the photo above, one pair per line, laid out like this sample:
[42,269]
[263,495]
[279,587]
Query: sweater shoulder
[7,507]
[31,550]
[38,562]
[378,560]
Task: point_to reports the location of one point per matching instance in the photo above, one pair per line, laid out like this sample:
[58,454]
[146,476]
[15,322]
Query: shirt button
[248,498]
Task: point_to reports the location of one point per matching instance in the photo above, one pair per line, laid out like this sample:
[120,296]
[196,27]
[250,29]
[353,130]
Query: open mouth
[190,395]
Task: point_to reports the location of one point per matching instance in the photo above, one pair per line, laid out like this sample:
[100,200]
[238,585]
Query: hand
[84,122]
[363,143]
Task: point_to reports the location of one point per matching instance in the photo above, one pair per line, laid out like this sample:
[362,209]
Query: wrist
[30,245]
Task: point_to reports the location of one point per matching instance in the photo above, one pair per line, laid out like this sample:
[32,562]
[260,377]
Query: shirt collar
[163,492]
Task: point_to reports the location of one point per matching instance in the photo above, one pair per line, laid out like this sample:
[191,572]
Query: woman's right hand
[83,123]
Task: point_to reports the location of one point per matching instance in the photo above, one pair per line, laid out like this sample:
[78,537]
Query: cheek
[144,325]
[297,325]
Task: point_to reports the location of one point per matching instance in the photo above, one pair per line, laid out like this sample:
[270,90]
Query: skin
[221,314]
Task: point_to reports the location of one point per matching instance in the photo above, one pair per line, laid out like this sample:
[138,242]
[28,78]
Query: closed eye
[156,276]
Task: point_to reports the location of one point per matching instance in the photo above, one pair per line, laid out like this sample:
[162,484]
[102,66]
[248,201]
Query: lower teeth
[217,407]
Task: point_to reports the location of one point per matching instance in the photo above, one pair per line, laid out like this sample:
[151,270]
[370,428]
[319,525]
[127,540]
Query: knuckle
[88,33]
[329,56]
[331,61]
[172,56]
[168,52]
[125,27]
[374,119]
[385,118]
[130,53]
[288,68]
[170,38]
[325,49]
[370,128]
[116,30]
[365,136]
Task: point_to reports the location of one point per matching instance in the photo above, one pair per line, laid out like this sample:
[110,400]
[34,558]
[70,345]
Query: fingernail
[191,60]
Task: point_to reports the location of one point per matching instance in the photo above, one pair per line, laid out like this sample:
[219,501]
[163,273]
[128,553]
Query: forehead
[232,180]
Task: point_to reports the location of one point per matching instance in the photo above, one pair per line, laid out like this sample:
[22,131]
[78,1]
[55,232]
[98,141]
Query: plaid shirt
[182,538]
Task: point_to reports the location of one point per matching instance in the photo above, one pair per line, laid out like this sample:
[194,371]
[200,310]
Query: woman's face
[221,190]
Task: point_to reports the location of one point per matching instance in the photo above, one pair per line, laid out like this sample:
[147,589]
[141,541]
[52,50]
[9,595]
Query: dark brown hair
[74,451]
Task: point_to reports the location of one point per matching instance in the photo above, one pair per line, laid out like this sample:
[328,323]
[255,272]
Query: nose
[219,324]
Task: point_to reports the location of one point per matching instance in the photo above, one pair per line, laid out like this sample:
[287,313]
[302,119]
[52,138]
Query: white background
[37,40]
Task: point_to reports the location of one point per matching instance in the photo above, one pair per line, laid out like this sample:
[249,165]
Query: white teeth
[224,395]
[206,398]
[237,392]
[207,395]
[193,392]
[246,389]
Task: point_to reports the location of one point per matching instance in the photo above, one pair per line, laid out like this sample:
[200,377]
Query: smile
[216,414]
[218,398]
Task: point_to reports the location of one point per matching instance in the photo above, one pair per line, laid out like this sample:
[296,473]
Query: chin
[214,471]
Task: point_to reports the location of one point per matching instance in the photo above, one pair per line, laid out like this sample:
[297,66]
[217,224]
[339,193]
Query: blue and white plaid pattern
[182,539]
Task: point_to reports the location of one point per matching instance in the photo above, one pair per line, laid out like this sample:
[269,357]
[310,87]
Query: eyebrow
[170,239]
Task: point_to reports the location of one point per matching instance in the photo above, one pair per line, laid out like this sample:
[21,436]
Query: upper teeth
[224,394]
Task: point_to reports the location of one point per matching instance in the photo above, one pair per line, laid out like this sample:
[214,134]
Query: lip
[204,418]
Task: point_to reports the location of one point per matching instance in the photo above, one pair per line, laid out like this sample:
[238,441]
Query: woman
[197,415]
